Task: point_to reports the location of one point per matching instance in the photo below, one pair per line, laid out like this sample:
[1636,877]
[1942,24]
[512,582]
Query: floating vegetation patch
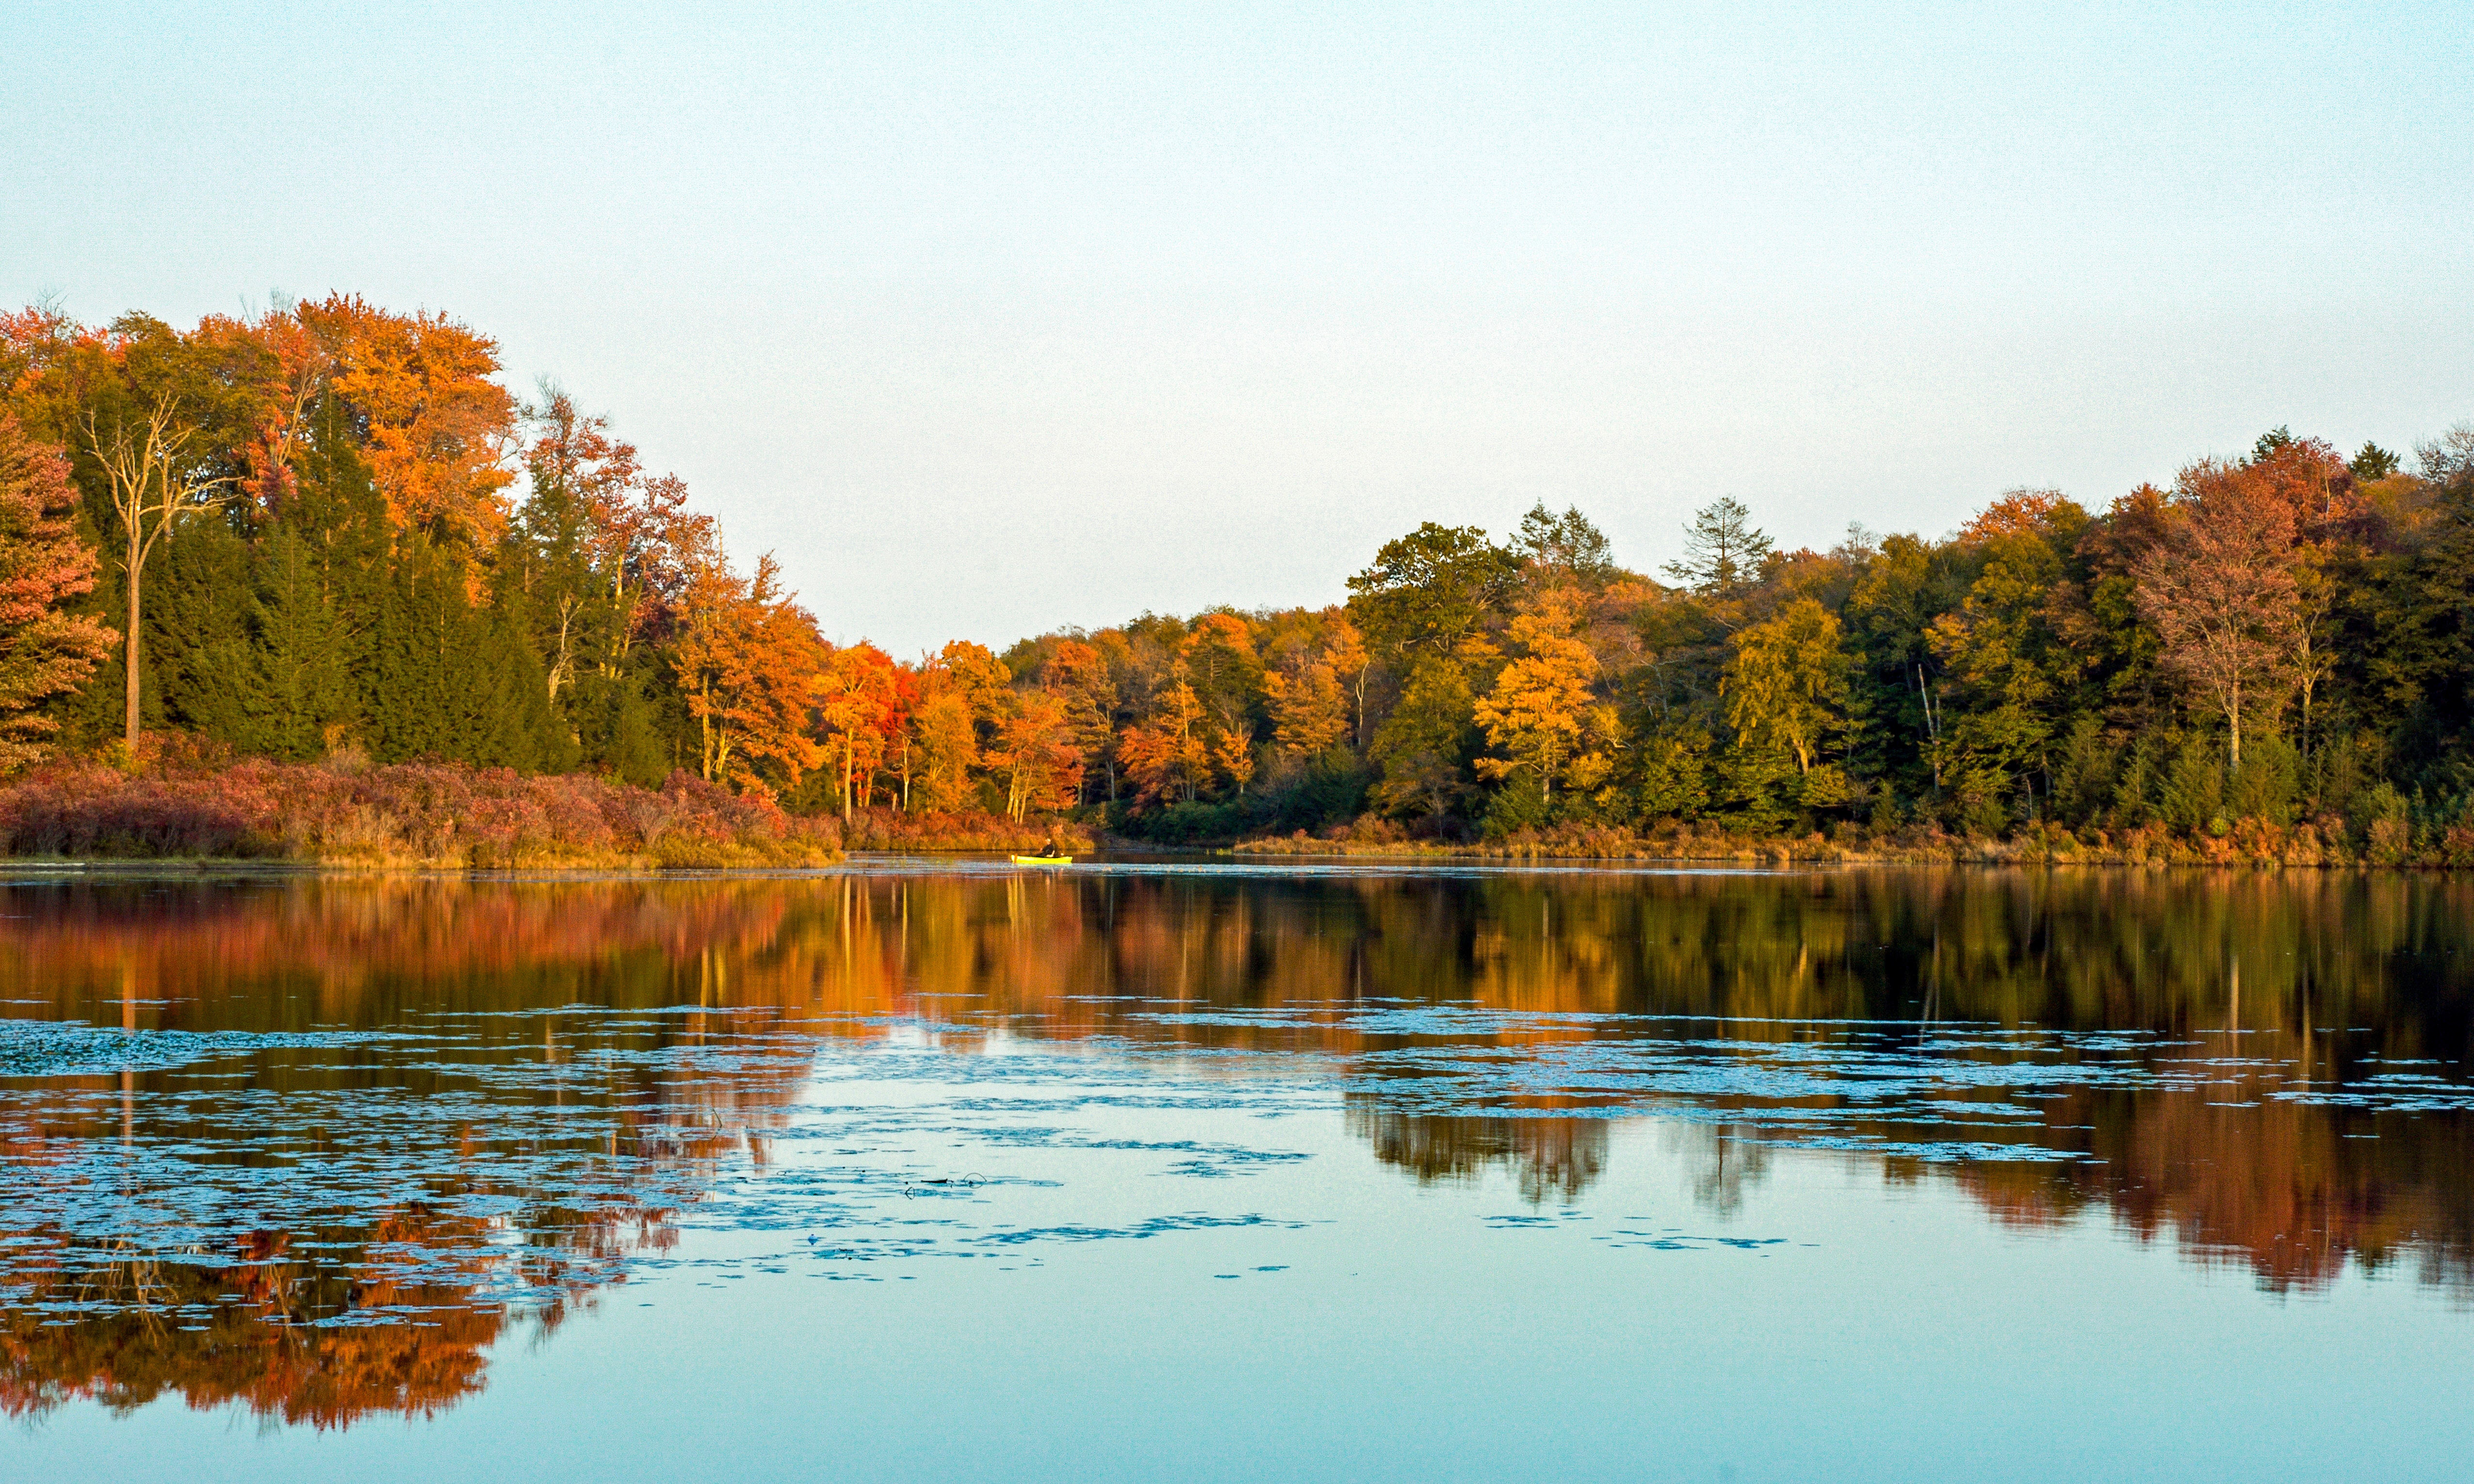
[72,1048]
[520,1159]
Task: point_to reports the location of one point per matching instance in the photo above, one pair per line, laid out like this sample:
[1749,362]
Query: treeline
[2272,654]
[329,530]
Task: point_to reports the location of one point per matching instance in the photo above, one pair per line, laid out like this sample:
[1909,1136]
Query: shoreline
[2300,851]
[200,866]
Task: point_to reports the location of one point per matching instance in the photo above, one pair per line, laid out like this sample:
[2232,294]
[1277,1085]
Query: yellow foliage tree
[1540,711]
[944,736]
[1344,649]
[1309,711]
[1786,681]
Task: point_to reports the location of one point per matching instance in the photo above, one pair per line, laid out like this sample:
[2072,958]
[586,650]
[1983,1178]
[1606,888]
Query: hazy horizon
[991,324]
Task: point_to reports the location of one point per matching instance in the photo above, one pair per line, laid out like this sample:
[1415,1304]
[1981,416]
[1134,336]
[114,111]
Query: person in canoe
[1051,853]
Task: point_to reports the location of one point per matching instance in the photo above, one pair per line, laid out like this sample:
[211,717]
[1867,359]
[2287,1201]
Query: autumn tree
[941,748]
[1221,664]
[1167,757]
[1309,711]
[1344,649]
[2219,590]
[43,652]
[440,428]
[1035,753]
[1078,676]
[1785,684]
[747,660]
[33,340]
[2315,621]
[1541,712]
[857,705]
[961,691]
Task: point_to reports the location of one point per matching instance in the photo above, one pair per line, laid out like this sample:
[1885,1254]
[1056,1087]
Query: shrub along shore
[2248,842]
[449,816]
[408,815]
[347,812]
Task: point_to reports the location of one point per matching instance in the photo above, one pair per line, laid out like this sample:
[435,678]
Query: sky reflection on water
[1386,1173]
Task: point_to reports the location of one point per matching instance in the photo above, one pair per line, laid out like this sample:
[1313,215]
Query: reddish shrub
[408,814]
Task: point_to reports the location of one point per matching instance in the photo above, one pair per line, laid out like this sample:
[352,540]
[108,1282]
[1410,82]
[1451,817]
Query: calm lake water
[951,1171]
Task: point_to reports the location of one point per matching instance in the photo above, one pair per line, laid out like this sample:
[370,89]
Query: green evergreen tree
[197,648]
[298,681]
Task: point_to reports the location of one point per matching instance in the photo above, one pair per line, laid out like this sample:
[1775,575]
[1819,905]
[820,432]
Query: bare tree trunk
[136,556]
[563,667]
[709,763]
[1932,725]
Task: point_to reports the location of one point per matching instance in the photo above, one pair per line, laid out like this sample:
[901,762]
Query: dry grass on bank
[421,815]
[2248,843]
[891,830]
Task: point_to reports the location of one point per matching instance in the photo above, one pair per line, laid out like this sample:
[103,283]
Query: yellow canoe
[1043,860]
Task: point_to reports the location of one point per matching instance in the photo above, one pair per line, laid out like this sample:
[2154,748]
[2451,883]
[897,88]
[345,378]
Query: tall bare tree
[154,484]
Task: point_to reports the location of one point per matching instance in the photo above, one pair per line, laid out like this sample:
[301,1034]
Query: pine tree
[197,653]
[297,683]
[1722,550]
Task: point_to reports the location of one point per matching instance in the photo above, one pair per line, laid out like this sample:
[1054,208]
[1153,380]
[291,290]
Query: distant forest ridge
[329,532]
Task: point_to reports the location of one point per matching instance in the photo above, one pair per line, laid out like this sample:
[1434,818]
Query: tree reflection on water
[321,1337]
[2266,1071]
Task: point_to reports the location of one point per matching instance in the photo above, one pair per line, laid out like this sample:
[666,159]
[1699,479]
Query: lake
[1202,1170]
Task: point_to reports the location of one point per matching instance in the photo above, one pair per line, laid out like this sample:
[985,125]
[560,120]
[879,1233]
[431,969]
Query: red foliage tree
[43,652]
[2218,588]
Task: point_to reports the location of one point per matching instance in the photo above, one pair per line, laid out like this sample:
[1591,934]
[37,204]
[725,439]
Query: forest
[327,537]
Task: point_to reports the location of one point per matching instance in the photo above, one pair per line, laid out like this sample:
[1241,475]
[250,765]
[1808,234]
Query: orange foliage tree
[747,658]
[441,430]
[1078,676]
[1035,751]
[858,704]
[961,689]
[1167,757]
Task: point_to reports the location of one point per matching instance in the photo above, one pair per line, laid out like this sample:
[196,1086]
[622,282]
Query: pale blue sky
[991,319]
